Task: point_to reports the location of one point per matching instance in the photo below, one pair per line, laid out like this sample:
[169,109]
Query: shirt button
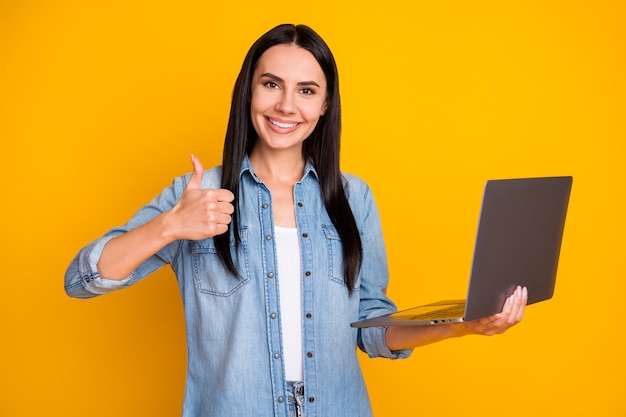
[276,356]
[305,235]
[300,204]
[308,315]
[270,275]
[310,354]
[265,205]
[268,237]
[281,399]
[273,315]
[311,399]
[307,273]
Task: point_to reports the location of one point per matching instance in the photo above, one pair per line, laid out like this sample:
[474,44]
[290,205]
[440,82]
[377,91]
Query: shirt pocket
[335,255]
[210,275]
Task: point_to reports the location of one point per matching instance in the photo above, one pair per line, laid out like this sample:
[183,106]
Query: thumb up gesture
[201,213]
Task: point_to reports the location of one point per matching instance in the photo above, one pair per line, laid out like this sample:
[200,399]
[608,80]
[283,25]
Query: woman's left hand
[512,313]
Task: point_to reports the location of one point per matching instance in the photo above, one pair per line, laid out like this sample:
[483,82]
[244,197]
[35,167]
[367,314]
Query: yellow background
[101,103]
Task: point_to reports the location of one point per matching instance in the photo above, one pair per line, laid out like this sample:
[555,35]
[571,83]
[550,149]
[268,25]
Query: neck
[282,166]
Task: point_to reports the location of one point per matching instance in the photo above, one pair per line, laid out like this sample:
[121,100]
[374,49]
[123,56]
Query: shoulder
[212,178]
[355,187]
[362,203]
[359,195]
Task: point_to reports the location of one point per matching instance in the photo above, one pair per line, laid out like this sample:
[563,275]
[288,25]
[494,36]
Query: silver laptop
[518,243]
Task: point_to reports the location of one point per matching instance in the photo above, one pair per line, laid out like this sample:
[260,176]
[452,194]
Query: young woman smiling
[276,251]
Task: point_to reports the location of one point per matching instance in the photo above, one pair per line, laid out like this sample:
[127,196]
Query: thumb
[195,182]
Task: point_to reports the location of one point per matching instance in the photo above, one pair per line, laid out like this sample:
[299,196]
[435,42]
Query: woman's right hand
[200,213]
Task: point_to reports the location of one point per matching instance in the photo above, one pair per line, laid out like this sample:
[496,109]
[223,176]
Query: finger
[224,195]
[220,229]
[513,311]
[519,302]
[222,213]
[195,182]
[226,208]
[508,305]
[521,305]
[510,310]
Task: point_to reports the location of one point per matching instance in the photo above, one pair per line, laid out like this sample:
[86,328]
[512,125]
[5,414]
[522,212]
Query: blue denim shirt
[235,365]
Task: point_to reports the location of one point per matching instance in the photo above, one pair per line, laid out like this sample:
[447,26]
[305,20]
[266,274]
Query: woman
[275,252]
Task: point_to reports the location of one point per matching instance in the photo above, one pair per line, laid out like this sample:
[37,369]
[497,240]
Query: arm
[199,214]
[399,337]
[374,273]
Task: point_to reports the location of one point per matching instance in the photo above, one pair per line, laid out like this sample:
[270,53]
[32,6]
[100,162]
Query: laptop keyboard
[446,312]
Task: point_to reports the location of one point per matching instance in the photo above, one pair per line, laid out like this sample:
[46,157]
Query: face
[288,97]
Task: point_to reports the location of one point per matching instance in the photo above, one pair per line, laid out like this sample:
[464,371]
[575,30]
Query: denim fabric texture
[233,327]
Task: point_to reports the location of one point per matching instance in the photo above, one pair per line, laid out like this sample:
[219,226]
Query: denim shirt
[235,365]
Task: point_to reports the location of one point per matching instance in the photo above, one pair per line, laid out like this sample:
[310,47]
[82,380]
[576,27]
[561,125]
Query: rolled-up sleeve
[82,279]
[372,342]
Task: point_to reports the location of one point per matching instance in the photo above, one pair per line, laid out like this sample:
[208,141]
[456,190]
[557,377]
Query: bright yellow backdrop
[101,103]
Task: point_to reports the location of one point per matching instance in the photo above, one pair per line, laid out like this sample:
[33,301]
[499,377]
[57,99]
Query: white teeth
[283,125]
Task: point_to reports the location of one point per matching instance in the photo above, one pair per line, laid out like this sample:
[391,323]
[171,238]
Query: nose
[286,104]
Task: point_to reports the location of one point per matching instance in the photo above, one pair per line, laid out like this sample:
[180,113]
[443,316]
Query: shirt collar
[246,166]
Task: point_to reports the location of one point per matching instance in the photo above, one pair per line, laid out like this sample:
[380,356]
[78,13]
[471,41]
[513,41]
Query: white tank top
[290,288]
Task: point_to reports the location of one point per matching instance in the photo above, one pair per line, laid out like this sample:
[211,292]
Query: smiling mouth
[282,125]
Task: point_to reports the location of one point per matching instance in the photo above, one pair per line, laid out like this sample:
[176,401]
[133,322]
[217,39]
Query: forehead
[290,62]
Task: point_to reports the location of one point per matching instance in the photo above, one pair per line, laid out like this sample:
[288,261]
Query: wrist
[461,329]
[164,227]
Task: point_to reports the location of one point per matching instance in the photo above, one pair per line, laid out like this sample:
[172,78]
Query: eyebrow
[277,78]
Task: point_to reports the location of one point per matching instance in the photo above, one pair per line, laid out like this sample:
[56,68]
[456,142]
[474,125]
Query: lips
[282,125]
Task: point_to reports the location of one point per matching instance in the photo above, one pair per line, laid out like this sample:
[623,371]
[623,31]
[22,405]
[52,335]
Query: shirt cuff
[91,279]
[374,341]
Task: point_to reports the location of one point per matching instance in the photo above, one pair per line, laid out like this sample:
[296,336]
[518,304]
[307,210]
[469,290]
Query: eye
[307,91]
[271,84]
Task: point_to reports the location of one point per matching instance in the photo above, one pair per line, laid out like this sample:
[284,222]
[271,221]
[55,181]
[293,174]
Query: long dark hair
[321,147]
